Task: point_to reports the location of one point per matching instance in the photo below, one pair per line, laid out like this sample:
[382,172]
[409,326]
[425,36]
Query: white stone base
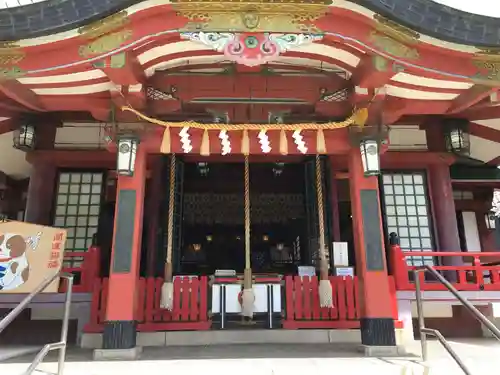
[382,351]
[117,354]
[223,337]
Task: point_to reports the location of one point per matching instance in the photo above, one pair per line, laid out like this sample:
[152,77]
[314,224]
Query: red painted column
[43,180]
[41,191]
[120,325]
[377,322]
[443,207]
[441,194]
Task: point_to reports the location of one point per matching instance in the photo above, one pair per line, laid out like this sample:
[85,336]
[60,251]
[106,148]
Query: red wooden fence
[302,304]
[468,277]
[88,271]
[190,310]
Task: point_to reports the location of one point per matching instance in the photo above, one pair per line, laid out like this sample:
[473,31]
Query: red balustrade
[476,276]
[302,309]
[88,271]
[190,311]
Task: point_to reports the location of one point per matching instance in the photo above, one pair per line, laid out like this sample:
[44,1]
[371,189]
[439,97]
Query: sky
[484,7]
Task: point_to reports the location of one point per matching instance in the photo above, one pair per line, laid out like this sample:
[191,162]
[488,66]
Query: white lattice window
[78,202]
[407,213]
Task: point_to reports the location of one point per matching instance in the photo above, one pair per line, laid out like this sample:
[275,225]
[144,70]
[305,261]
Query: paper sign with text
[29,254]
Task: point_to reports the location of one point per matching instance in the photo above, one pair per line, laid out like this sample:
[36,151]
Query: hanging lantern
[370,157]
[24,137]
[490,220]
[127,150]
[457,136]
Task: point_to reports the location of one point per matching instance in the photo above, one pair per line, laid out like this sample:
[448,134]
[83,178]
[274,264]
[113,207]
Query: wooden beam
[21,94]
[123,69]
[373,72]
[470,97]
[8,125]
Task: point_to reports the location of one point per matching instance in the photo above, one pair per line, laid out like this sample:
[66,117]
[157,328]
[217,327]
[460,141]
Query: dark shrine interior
[213,217]
[212,234]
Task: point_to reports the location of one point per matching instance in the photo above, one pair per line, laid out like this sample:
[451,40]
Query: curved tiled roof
[440,21]
[425,16]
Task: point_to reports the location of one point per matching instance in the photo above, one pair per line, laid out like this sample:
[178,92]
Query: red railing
[87,273]
[302,303]
[190,310]
[475,276]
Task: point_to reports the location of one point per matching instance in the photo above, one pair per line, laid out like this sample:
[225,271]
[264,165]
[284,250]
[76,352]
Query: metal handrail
[434,332]
[60,345]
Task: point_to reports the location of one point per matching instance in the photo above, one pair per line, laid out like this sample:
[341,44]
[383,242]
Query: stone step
[14,351]
[234,337]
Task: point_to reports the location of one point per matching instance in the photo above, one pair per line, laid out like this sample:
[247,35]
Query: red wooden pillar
[41,191]
[120,325]
[42,183]
[445,215]
[377,322]
[441,193]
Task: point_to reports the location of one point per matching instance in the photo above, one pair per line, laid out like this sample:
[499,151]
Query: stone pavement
[480,355]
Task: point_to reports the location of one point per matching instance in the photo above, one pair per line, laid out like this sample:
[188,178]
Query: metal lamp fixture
[370,157]
[25,137]
[457,136]
[368,139]
[127,151]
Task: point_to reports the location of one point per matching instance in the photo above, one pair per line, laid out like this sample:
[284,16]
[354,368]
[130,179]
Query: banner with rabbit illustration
[29,254]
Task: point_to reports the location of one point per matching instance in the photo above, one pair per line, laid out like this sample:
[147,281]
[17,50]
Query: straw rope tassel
[325,288]
[320,142]
[245,143]
[248,297]
[167,289]
[283,143]
[205,144]
[165,146]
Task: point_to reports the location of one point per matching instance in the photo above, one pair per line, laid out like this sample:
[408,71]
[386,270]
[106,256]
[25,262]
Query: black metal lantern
[457,136]
[127,151]
[24,137]
[490,219]
[370,157]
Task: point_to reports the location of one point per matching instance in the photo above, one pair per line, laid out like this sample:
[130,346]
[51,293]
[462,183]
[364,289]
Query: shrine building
[257,165]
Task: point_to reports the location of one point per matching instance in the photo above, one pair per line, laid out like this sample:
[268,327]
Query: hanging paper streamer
[187,147]
[298,140]
[265,145]
[225,142]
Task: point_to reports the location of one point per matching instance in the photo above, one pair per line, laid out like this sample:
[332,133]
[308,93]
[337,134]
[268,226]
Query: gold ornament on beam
[251,16]
[10,55]
[104,26]
[394,30]
[393,47]
[105,43]
[488,64]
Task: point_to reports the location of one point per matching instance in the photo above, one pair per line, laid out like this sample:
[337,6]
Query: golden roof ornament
[251,16]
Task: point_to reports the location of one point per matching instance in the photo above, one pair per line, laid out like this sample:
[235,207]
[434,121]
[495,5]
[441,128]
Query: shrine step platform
[235,337]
